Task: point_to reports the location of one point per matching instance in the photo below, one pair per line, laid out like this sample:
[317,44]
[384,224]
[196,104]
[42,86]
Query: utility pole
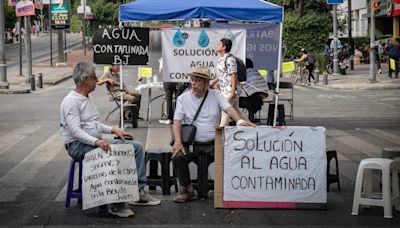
[28,47]
[372,78]
[351,42]
[51,36]
[3,64]
[84,26]
[20,46]
[335,42]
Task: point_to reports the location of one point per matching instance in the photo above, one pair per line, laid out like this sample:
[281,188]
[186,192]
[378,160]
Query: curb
[16,91]
[58,81]
[24,91]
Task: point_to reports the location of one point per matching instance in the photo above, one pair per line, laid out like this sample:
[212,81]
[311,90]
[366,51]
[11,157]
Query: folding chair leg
[112,111]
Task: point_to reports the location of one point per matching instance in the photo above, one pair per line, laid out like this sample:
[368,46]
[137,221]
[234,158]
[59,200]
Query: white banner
[266,164]
[184,49]
[109,177]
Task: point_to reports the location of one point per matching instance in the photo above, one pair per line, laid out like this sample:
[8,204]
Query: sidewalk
[51,75]
[358,79]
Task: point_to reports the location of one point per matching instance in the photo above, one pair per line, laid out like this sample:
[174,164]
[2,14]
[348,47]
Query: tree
[307,24]
[9,15]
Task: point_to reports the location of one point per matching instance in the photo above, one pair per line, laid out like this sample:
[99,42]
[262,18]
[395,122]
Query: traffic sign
[332,2]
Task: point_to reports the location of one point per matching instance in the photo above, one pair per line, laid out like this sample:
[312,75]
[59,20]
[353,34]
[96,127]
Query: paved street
[34,164]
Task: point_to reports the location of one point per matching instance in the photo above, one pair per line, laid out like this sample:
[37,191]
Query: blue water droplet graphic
[230,35]
[203,39]
[178,40]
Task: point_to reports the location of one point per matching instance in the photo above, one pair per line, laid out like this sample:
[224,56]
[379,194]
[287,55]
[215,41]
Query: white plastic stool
[390,189]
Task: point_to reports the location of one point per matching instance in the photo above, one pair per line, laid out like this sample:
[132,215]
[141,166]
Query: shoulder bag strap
[198,110]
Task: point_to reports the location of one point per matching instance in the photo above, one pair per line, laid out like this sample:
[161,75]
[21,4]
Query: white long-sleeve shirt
[80,119]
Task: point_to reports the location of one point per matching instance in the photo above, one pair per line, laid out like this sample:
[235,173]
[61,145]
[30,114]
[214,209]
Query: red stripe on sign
[251,204]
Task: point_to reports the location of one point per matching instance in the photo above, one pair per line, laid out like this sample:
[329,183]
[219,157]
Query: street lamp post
[335,42]
[3,66]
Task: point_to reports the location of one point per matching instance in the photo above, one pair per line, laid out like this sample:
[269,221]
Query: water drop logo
[230,36]
[203,40]
[178,39]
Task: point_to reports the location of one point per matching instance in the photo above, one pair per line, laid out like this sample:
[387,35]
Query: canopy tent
[231,10]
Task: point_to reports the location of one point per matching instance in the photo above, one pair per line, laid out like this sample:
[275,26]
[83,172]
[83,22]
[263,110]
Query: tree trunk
[300,7]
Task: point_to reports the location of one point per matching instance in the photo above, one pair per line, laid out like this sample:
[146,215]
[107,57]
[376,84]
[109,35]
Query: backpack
[241,68]
[311,58]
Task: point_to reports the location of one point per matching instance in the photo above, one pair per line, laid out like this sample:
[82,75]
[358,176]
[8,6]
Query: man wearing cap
[206,122]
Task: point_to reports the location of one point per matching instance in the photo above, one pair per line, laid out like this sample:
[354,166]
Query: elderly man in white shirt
[206,123]
[83,130]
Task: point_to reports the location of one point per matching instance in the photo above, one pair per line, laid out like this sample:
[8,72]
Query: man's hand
[178,147]
[248,124]
[121,134]
[103,144]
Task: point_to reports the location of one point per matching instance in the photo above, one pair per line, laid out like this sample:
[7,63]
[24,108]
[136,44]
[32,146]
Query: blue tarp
[232,10]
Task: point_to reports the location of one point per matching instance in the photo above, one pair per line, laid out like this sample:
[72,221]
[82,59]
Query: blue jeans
[77,151]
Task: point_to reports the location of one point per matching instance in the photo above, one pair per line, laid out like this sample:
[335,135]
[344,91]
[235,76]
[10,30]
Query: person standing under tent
[227,79]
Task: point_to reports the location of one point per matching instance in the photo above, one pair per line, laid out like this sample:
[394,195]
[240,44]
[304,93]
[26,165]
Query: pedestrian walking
[393,50]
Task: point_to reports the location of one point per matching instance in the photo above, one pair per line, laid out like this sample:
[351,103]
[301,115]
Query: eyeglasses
[93,76]
[196,79]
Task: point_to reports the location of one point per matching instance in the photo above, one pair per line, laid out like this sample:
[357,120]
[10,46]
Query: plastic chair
[165,181]
[71,193]
[289,99]
[332,178]
[389,196]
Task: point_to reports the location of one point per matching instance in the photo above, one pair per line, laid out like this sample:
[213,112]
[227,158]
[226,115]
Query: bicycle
[299,74]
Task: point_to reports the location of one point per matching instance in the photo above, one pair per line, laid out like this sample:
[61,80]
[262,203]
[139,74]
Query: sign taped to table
[184,49]
[267,167]
[126,46]
[109,177]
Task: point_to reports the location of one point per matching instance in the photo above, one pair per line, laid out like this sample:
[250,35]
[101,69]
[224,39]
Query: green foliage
[104,13]
[293,5]
[9,15]
[76,23]
[309,31]
[322,61]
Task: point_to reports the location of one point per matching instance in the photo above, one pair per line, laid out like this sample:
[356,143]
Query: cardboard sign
[109,177]
[254,83]
[267,166]
[24,8]
[126,46]
[288,67]
[185,49]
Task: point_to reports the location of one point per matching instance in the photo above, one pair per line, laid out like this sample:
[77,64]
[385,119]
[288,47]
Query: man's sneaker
[162,121]
[168,122]
[185,196]
[122,212]
[146,200]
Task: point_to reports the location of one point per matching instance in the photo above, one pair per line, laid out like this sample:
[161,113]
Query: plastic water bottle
[155,78]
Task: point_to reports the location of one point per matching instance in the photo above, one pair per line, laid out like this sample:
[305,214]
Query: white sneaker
[168,122]
[163,121]
[123,212]
[379,71]
[146,200]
